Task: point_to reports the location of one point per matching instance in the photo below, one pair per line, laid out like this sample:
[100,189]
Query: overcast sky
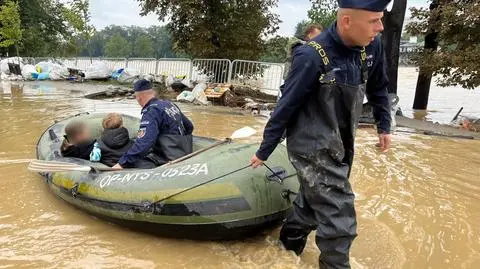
[126,12]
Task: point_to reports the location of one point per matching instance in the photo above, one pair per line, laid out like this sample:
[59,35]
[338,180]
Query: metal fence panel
[211,70]
[143,65]
[84,62]
[42,59]
[174,66]
[257,75]
[115,63]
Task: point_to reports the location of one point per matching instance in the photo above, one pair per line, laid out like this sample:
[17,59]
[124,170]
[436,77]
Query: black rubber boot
[293,239]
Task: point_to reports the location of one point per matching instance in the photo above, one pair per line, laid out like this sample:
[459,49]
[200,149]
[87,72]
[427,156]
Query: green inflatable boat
[231,201]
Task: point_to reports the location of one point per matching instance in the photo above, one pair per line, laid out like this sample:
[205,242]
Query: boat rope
[199,185]
[274,173]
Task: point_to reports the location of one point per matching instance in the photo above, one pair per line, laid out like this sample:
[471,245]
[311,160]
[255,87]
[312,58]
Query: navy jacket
[159,117]
[303,78]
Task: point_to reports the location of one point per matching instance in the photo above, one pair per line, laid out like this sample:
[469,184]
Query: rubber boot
[293,239]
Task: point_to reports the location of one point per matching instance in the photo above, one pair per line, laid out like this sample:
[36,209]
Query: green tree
[77,16]
[43,27]
[275,50]
[452,34]
[117,46]
[217,29]
[144,47]
[162,40]
[10,24]
[323,12]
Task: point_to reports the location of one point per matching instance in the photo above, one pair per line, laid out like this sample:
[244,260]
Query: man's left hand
[385,140]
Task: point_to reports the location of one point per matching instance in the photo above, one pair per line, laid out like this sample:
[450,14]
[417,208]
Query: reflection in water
[418,205]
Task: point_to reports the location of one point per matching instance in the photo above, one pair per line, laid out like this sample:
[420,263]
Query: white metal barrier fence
[115,63]
[143,65]
[257,75]
[178,67]
[212,70]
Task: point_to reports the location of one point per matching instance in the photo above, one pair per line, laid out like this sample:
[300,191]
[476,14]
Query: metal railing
[174,66]
[211,70]
[257,75]
[143,65]
[115,63]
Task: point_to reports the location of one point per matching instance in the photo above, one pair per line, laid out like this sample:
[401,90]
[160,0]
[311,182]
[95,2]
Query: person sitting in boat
[77,142]
[165,133]
[115,140]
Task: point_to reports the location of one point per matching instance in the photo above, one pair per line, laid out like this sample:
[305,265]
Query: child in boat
[78,142]
[115,140]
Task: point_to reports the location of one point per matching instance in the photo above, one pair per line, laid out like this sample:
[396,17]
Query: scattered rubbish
[196,96]
[27,72]
[98,70]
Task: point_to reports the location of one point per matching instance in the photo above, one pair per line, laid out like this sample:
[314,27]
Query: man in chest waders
[319,109]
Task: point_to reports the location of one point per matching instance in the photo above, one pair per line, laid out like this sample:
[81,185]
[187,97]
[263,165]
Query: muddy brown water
[418,206]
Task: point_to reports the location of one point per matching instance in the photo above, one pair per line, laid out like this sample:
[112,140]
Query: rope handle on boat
[211,180]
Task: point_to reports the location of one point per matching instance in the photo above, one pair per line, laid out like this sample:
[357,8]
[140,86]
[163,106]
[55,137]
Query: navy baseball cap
[370,5]
[142,85]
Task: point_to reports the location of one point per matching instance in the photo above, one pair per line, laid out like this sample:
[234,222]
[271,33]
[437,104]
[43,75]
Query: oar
[54,166]
[238,134]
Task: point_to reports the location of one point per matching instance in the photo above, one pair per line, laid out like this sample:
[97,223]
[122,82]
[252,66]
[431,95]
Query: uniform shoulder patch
[141,132]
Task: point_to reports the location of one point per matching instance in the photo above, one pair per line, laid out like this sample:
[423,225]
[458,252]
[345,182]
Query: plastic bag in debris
[11,77]
[116,74]
[129,74]
[169,81]
[98,70]
[199,93]
[27,71]
[186,96]
[4,69]
[44,67]
[58,72]
[42,76]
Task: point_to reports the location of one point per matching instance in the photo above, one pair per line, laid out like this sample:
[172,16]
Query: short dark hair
[310,28]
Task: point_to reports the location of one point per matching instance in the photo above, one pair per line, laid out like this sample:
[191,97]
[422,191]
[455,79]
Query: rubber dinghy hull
[237,204]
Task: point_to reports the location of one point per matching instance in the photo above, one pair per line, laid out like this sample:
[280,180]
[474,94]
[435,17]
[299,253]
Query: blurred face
[313,34]
[361,26]
[82,136]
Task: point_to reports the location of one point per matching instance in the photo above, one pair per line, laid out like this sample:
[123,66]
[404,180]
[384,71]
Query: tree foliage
[10,30]
[275,50]
[43,25]
[117,46]
[323,12]
[456,24]
[77,16]
[144,47]
[217,28]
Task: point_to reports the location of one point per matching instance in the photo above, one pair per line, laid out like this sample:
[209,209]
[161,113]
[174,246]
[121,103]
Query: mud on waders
[325,201]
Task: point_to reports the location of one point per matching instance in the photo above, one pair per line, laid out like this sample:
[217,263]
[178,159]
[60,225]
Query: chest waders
[321,147]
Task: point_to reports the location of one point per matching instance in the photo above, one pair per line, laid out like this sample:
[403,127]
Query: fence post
[126,62]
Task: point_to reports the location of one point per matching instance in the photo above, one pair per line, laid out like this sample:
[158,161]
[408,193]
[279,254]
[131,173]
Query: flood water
[418,206]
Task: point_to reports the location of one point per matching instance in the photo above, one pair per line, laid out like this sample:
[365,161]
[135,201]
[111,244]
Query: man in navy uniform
[319,109]
[165,133]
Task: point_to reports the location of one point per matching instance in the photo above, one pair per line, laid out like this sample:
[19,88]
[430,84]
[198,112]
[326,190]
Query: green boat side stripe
[204,208]
[203,193]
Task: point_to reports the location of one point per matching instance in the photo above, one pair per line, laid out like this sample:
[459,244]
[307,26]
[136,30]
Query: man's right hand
[256,162]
